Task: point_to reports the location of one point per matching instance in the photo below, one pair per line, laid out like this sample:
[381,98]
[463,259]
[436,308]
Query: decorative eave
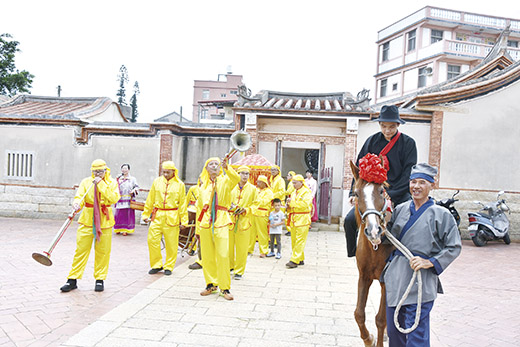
[501,62]
[470,90]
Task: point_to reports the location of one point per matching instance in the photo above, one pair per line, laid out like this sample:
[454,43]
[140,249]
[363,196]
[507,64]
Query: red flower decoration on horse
[371,169]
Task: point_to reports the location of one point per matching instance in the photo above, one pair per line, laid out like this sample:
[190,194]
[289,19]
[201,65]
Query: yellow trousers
[215,256]
[238,248]
[259,229]
[84,238]
[158,229]
[298,241]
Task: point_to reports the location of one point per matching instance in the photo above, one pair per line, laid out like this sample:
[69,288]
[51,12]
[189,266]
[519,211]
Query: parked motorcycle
[491,223]
[450,205]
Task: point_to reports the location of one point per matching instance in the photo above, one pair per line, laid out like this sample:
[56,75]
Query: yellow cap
[292,173]
[298,178]
[243,168]
[168,165]
[262,178]
[98,164]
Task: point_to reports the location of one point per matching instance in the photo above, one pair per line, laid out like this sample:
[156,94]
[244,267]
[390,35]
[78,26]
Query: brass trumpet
[240,142]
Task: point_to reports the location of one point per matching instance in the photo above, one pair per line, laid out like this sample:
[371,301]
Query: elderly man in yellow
[260,211]
[96,221]
[288,192]
[165,207]
[214,202]
[243,196]
[299,207]
[277,183]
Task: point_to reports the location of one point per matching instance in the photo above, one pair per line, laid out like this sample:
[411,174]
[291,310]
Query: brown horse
[371,254]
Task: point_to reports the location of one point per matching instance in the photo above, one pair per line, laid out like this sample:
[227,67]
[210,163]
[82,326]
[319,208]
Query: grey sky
[294,46]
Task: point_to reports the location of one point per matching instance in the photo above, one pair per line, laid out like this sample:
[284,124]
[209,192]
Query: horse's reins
[406,252]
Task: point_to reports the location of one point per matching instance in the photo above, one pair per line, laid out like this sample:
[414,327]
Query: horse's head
[371,204]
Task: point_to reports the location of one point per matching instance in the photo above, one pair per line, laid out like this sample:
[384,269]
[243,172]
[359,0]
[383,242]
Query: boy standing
[276,220]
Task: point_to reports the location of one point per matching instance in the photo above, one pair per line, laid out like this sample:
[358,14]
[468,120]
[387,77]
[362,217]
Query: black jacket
[401,158]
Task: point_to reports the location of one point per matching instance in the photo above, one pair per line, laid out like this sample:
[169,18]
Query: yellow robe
[108,191]
[288,192]
[299,216]
[239,231]
[168,199]
[278,187]
[214,235]
[260,211]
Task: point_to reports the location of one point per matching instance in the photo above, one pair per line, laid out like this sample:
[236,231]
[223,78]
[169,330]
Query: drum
[137,205]
[187,236]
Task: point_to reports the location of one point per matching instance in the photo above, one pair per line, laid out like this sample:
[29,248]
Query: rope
[417,274]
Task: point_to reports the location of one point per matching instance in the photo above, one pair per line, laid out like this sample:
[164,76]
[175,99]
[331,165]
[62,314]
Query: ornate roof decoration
[308,102]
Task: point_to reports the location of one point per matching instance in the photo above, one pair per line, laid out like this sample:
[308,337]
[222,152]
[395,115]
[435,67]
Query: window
[20,165]
[205,94]
[512,44]
[394,87]
[223,95]
[386,50]
[203,114]
[233,92]
[453,71]
[382,91]
[411,40]
[423,73]
[436,35]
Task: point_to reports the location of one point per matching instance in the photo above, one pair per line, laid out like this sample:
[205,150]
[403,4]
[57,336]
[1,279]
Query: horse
[371,254]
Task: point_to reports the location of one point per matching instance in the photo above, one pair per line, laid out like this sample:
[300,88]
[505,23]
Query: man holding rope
[100,191]
[430,233]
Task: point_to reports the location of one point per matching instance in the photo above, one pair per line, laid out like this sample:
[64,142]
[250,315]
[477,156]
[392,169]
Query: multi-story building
[434,45]
[212,100]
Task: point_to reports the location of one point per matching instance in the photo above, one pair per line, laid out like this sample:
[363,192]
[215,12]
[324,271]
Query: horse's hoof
[370,342]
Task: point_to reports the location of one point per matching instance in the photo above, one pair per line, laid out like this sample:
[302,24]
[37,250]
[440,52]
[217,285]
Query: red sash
[387,149]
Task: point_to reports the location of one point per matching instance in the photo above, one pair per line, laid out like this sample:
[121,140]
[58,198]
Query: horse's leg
[359,313]
[381,317]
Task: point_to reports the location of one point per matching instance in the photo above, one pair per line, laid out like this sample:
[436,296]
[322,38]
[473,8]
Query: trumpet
[240,142]
[44,258]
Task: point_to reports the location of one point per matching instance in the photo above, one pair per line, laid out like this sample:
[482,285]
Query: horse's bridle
[381,214]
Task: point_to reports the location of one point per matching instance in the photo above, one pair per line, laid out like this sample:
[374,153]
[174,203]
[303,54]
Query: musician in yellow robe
[277,183]
[214,202]
[288,192]
[100,189]
[243,196]
[165,207]
[260,211]
[299,207]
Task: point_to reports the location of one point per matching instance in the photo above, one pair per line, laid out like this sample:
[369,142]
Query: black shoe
[99,286]
[288,233]
[195,266]
[301,263]
[167,272]
[70,285]
[154,271]
[291,265]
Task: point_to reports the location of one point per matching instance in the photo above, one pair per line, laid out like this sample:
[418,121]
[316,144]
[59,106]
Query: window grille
[20,165]
[436,35]
[386,50]
[453,71]
[411,40]
[382,91]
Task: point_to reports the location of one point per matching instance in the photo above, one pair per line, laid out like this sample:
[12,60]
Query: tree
[122,77]
[12,81]
[133,103]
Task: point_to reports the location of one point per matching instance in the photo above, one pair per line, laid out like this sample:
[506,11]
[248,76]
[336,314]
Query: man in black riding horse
[399,154]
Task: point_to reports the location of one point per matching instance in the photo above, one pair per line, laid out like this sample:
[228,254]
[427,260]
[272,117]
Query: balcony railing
[472,49]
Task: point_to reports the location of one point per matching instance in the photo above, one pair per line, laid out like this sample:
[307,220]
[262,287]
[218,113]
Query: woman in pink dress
[123,214]
[313,186]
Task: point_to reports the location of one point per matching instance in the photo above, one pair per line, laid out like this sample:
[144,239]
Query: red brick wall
[166,149]
[436,141]
[350,154]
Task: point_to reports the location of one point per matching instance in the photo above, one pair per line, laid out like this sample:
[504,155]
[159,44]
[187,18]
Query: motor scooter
[491,223]
[450,205]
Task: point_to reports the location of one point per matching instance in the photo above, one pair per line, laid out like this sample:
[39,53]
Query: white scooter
[491,223]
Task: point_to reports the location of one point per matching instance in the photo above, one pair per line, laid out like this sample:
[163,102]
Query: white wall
[480,147]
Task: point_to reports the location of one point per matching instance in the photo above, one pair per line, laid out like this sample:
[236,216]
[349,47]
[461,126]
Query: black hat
[389,114]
